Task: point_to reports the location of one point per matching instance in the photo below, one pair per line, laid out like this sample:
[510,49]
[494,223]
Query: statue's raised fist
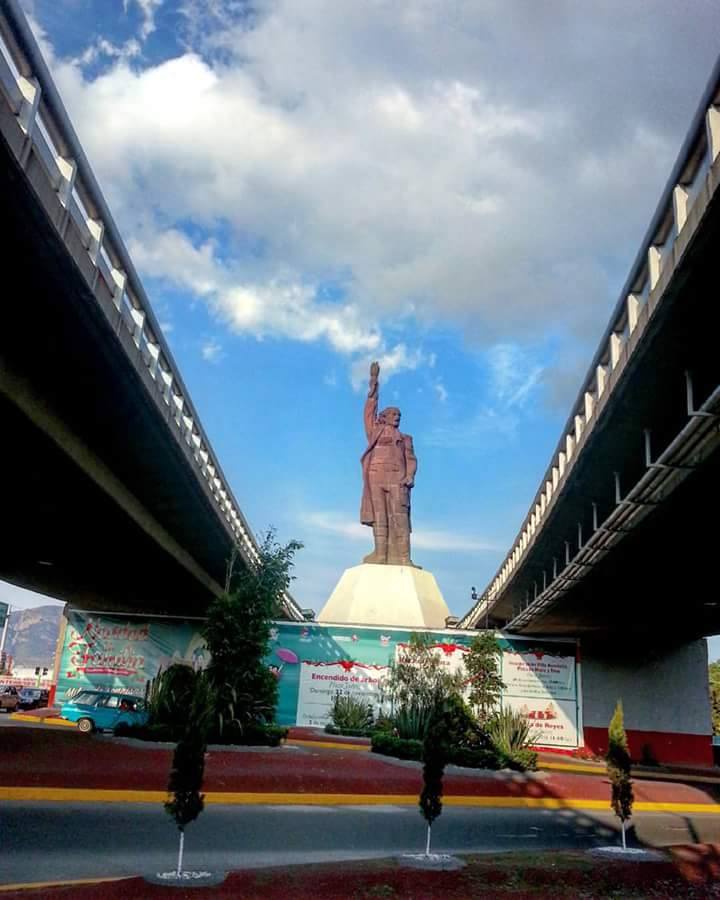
[374,369]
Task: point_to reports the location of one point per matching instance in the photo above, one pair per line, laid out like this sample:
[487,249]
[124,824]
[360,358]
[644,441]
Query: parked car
[103,710]
[33,698]
[9,698]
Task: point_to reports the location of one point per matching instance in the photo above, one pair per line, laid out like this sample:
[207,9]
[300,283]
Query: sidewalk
[687,872]
[64,765]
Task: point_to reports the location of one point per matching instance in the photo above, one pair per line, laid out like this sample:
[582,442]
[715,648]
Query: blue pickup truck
[103,710]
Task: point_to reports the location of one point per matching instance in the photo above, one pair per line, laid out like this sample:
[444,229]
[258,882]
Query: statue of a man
[388,467]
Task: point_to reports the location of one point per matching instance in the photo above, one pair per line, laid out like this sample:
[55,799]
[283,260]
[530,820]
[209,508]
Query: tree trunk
[427,845]
[622,824]
[180,853]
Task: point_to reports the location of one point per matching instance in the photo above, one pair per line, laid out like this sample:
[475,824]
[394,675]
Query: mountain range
[32,635]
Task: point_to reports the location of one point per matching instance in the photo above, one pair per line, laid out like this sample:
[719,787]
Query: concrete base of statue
[401,596]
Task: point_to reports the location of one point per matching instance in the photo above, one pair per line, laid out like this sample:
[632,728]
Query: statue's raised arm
[371,404]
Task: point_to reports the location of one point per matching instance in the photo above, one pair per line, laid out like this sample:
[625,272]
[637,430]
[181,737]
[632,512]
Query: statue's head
[390,416]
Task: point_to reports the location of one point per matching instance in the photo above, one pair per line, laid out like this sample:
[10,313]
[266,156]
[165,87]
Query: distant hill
[32,634]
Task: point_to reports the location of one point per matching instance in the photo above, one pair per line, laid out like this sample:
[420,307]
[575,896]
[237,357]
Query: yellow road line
[36,885]
[655,776]
[331,745]
[38,720]
[259,798]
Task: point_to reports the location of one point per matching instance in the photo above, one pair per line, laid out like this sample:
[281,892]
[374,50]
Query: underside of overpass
[100,505]
[658,582]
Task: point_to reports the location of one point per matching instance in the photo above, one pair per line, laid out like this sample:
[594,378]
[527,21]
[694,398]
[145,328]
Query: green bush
[250,736]
[171,695]
[160,733]
[349,732]
[519,760]
[411,721]
[389,745]
[481,755]
[348,712]
[510,731]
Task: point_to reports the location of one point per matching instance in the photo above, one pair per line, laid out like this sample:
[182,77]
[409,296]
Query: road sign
[4,607]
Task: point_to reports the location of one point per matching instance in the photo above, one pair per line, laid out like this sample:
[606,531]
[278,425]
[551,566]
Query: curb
[251,798]
[77,882]
[40,720]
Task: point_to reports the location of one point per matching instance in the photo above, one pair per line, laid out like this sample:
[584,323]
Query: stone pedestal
[401,596]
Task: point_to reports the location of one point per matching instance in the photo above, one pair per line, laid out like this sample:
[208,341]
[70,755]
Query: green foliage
[519,760]
[714,684]
[618,766]
[186,777]
[237,633]
[510,731]
[418,678]
[411,722]
[249,736]
[482,664]
[390,745]
[188,765]
[472,756]
[170,696]
[436,750]
[350,713]
[618,755]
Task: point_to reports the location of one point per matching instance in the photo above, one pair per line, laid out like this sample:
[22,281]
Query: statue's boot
[399,543]
[380,553]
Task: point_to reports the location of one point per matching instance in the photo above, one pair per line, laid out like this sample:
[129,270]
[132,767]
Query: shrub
[349,712]
[418,679]
[237,633]
[250,736]
[411,721]
[482,664]
[349,732]
[618,769]
[389,745]
[170,696]
[510,731]
[524,760]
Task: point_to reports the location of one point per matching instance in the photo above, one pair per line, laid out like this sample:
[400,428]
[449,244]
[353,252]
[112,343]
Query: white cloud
[424,539]
[440,391]
[513,374]
[212,351]
[443,165]
[271,309]
[148,8]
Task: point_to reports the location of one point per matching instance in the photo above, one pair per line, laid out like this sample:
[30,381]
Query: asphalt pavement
[46,841]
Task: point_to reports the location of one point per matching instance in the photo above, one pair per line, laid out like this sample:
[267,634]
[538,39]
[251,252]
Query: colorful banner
[313,662]
[120,654]
[321,682]
[539,671]
[552,722]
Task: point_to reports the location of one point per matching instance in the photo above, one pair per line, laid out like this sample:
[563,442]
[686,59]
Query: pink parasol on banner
[287,656]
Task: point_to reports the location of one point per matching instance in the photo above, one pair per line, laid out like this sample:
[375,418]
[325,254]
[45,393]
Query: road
[45,841]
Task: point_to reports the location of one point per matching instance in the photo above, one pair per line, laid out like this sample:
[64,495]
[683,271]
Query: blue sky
[457,189]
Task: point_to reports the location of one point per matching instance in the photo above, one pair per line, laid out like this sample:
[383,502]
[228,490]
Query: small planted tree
[237,634]
[186,801]
[482,664]
[434,761]
[618,769]
[417,681]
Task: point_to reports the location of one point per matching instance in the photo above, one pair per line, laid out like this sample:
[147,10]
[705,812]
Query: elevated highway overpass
[112,496]
[620,540]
